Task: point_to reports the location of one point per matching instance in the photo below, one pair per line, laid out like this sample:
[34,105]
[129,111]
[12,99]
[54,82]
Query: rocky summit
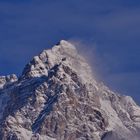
[57,98]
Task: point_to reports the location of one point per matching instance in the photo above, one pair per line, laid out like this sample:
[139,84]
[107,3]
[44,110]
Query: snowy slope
[57,98]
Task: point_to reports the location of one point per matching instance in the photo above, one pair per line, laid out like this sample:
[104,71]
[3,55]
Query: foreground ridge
[57,98]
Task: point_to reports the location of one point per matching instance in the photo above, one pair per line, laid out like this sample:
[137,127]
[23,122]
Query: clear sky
[112,27]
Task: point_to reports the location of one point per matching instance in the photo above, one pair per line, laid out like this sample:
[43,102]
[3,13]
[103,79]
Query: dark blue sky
[111,27]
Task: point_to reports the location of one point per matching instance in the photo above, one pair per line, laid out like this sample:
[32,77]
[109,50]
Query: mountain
[57,98]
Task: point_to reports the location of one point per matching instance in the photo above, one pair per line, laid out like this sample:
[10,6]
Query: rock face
[57,98]
[5,80]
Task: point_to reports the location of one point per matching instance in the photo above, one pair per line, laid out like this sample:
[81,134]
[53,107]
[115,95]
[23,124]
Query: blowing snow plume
[89,52]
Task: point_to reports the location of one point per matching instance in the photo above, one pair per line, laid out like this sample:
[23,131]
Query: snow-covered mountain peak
[57,98]
[64,45]
[63,54]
